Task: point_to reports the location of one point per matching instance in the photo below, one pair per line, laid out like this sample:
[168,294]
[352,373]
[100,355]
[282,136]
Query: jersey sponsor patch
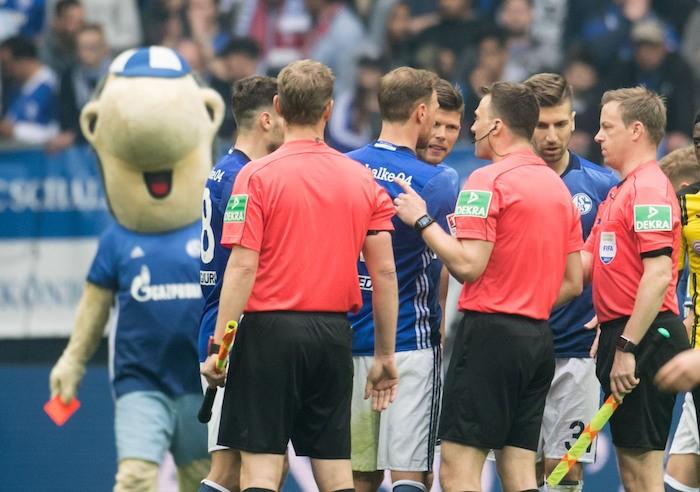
[608,247]
[583,203]
[648,218]
[473,203]
[235,208]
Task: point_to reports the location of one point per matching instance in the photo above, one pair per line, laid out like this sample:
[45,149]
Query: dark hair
[92,26]
[449,97]
[305,89]
[63,5]
[550,89]
[402,89]
[20,48]
[249,96]
[494,32]
[241,45]
[516,105]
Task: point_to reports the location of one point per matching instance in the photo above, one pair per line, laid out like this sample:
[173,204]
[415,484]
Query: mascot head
[152,127]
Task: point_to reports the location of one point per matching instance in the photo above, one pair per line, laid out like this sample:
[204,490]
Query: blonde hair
[681,165]
[643,105]
[304,89]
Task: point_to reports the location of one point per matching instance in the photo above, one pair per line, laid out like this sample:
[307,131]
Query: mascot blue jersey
[213,256]
[588,184]
[419,311]
[153,346]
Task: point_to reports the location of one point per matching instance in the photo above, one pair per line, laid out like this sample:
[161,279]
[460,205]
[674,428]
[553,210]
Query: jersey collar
[383,144]
[574,164]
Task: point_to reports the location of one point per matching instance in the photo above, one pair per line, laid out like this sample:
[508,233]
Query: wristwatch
[213,348]
[625,345]
[422,223]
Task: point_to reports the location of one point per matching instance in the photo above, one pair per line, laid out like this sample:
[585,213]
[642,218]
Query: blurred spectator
[334,37]
[118,18]
[397,46]
[355,120]
[164,22]
[603,27]
[691,49]
[666,73]
[582,75]
[21,17]
[58,45]
[78,85]
[492,57]
[31,113]
[548,29]
[203,21]
[238,59]
[193,53]
[525,54]
[278,26]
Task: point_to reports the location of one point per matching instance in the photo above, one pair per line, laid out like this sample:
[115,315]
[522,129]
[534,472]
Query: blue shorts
[148,423]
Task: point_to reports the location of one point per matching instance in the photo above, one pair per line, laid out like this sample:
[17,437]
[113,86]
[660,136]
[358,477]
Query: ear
[265,121]
[88,120]
[638,130]
[328,110]
[214,106]
[276,104]
[421,112]
[573,121]
[497,126]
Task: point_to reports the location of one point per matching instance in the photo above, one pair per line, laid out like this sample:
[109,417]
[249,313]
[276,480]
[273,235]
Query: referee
[518,237]
[297,220]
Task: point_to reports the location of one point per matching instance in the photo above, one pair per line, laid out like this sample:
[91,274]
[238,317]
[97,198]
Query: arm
[90,321]
[239,278]
[383,378]
[586,266]
[682,373]
[572,285]
[650,294]
[465,259]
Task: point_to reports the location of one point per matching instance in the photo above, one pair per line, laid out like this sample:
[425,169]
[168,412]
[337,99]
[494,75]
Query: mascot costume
[152,127]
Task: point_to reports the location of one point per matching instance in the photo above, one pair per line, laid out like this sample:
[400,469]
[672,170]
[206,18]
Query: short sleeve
[478,208]
[383,210]
[104,271]
[244,217]
[653,214]
[440,195]
[575,242]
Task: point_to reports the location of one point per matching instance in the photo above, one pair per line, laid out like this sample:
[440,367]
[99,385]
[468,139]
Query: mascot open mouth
[159,183]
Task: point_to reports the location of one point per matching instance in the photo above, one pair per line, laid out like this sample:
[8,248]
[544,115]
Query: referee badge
[608,247]
[473,203]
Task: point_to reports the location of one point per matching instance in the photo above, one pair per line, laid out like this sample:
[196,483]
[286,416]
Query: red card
[59,411]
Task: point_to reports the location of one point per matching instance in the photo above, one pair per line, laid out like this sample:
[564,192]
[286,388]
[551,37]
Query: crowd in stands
[53,53]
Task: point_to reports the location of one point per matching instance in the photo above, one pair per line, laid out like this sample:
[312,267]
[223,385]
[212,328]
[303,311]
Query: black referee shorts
[644,418]
[497,381]
[290,378]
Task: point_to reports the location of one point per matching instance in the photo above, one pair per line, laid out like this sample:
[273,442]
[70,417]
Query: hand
[6,128]
[682,373]
[214,377]
[593,324]
[409,205]
[622,378]
[382,382]
[65,378]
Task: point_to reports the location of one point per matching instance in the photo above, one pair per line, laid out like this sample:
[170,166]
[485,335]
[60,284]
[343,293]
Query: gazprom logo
[143,291]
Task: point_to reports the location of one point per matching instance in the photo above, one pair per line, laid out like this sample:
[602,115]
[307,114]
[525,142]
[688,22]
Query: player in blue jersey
[32,110]
[259,132]
[402,438]
[574,395]
[448,123]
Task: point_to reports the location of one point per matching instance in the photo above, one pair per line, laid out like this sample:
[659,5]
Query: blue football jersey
[418,279]
[588,184]
[153,346]
[213,256]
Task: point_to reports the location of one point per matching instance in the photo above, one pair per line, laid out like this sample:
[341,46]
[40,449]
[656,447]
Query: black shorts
[497,381]
[290,378]
[644,418]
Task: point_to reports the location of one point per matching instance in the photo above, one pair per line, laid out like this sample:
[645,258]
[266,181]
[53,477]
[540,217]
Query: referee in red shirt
[630,257]
[518,237]
[297,220]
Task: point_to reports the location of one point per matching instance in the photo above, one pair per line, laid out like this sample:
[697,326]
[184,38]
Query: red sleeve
[244,217]
[653,213]
[478,209]
[576,233]
[383,210]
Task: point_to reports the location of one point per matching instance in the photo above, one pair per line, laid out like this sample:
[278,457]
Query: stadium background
[52,206]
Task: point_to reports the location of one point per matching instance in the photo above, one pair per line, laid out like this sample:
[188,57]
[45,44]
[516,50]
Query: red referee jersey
[640,215]
[306,209]
[525,209]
